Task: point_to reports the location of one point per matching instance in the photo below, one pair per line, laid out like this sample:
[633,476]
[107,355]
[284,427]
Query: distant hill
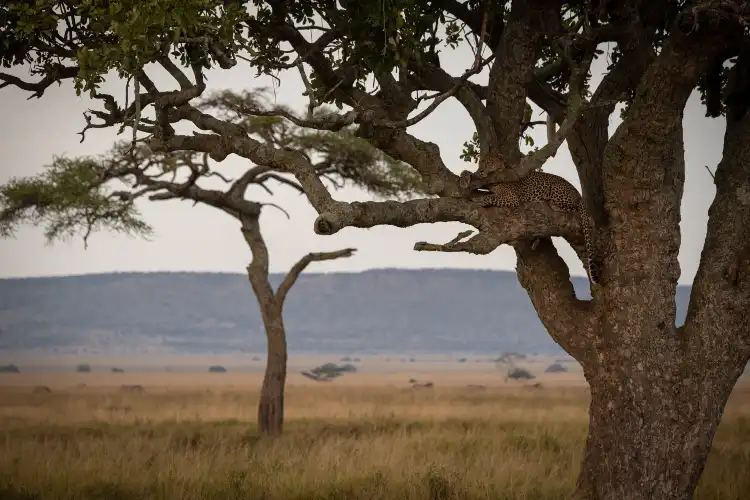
[377,311]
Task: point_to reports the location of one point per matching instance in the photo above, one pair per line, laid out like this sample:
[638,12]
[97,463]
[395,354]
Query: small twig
[274,205]
[460,236]
[137,119]
[310,91]
[710,173]
[476,68]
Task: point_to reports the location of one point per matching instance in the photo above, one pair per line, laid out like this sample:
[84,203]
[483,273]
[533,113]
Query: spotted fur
[487,164]
[549,188]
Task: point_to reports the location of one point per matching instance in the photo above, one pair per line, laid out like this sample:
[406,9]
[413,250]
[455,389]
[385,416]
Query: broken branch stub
[480,244]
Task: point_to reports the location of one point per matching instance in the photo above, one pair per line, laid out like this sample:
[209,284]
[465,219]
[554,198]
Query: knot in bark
[327,224]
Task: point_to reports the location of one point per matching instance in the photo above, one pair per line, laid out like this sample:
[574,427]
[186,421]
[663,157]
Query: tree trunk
[271,404]
[649,437]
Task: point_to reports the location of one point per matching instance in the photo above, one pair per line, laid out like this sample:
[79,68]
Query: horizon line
[231,273]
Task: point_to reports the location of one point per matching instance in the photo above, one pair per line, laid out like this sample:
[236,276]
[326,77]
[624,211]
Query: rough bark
[649,437]
[516,56]
[658,391]
[271,403]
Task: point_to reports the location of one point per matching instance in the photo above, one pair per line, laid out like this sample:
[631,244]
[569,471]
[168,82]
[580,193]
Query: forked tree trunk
[649,438]
[271,404]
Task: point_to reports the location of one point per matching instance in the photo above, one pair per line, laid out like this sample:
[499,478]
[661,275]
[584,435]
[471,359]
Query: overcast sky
[202,239]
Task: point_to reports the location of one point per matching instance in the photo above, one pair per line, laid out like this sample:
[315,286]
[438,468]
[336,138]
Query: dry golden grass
[343,440]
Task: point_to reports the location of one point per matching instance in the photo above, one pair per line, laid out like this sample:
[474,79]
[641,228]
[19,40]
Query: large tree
[81,195]
[658,390]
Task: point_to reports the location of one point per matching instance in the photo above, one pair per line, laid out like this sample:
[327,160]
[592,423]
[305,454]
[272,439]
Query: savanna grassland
[360,437]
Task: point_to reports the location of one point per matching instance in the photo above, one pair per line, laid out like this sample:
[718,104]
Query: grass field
[360,437]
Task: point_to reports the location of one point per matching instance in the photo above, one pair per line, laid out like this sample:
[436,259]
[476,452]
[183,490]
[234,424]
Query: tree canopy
[658,390]
[85,194]
[380,63]
[380,60]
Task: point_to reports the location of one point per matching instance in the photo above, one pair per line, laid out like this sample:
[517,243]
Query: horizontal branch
[56,74]
[479,244]
[297,268]
[497,226]
[393,213]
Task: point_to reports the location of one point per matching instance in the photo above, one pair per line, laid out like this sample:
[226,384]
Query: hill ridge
[385,310]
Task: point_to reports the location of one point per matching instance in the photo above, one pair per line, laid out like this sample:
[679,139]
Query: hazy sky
[203,239]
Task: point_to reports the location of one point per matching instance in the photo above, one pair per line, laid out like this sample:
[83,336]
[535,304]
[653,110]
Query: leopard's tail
[588,234]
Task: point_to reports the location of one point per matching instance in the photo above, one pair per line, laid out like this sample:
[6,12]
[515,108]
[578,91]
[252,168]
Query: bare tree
[658,390]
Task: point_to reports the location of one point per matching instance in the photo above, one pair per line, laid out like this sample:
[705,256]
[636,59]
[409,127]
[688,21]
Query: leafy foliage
[370,36]
[348,44]
[122,35]
[87,194]
[71,195]
[518,373]
[342,155]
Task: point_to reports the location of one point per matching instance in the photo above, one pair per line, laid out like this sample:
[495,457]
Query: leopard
[488,163]
[548,188]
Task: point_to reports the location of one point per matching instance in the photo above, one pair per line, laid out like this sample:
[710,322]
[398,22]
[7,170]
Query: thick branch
[514,67]
[393,213]
[497,225]
[423,156]
[297,268]
[720,297]
[590,133]
[644,171]
[545,277]
[493,167]
[257,270]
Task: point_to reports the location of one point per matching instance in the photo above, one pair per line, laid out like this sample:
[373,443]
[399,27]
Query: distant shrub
[83,368]
[9,369]
[517,373]
[555,368]
[462,360]
[131,388]
[332,370]
[217,369]
[510,357]
[117,370]
[346,359]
